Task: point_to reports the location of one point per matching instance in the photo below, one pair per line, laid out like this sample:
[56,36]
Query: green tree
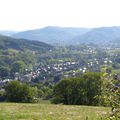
[18,66]
[4,72]
[111,96]
[61,92]
[18,92]
[80,90]
[92,84]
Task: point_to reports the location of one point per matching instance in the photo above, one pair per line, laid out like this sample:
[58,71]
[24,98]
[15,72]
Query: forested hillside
[100,36]
[21,44]
[20,52]
[73,36]
[52,35]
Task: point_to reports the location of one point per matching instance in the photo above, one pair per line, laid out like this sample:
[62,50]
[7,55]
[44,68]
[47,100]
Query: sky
[21,15]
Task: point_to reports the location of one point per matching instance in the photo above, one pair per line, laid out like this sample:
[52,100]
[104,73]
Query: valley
[59,60]
[70,74]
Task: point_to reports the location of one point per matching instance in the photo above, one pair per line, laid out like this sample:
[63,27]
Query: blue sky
[31,14]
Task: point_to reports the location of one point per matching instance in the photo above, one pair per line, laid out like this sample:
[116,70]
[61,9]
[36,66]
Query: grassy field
[20,111]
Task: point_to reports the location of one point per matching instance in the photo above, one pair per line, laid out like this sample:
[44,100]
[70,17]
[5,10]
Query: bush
[80,90]
[18,92]
[2,96]
[111,96]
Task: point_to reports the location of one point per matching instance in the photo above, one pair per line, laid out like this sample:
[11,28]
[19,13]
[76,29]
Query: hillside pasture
[21,111]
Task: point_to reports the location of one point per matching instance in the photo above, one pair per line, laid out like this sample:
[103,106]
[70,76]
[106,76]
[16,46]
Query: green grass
[20,111]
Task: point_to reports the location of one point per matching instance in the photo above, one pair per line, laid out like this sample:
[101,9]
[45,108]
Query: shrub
[80,90]
[18,92]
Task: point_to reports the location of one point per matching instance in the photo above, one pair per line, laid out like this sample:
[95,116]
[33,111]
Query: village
[66,65]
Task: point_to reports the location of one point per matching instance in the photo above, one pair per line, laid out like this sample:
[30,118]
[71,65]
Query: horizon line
[13,30]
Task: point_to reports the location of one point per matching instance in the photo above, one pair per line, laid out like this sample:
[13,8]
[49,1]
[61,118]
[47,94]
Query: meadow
[26,111]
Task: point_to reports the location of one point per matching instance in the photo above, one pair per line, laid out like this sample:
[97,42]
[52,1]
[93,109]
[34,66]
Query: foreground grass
[19,111]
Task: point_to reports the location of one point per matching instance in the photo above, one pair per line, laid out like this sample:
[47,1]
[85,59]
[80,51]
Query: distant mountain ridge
[72,36]
[102,35]
[51,34]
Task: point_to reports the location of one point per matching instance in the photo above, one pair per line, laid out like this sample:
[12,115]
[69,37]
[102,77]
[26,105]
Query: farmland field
[22,111]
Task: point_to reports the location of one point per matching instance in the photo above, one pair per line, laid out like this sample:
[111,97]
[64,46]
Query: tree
[18,66]
[79,90]
[92,83]
[4,72]
[2,96]
[61,92]
[111,96]
[18,92]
